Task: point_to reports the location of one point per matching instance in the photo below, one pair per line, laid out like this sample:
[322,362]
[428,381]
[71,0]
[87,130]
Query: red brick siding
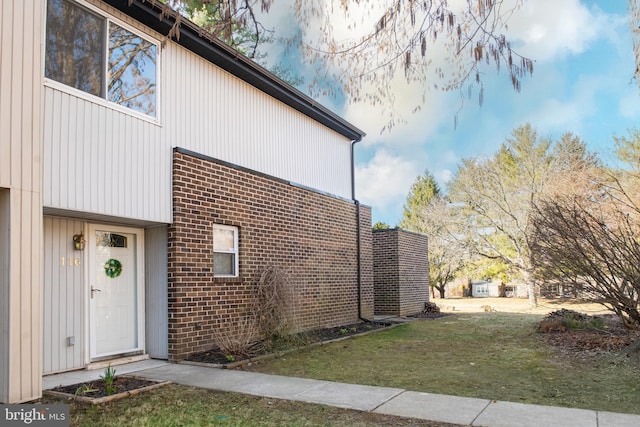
[401,272]
[309,234]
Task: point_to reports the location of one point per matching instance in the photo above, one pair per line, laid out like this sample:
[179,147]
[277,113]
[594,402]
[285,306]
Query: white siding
[216,114]
[156,292]
[101,160]
[105,161]
[63,314]
[5,227]
[21,24]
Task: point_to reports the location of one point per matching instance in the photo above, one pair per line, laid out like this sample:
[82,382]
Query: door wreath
[113,268]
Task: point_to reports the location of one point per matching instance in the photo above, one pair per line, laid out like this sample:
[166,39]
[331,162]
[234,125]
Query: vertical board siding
[6,32]
[5,227]
[21,25]
[211,112]
[156,292]
[63,296]
[104,161]
[108,162]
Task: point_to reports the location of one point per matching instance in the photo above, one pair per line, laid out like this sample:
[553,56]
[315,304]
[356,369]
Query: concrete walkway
[383,400]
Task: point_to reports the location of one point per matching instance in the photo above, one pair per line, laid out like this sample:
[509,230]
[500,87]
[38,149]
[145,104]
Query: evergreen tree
[422,192]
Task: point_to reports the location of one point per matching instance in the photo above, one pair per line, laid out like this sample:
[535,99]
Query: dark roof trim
[193,38]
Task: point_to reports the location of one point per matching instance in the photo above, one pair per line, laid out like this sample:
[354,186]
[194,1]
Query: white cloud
[557,115]
[545,30]
[383,183]
[541,29]
[414,126]
[570,113]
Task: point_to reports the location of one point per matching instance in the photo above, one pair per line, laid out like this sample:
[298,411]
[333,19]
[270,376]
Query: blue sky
[582,83]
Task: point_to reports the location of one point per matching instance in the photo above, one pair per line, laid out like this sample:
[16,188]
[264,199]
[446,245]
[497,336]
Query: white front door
[115,290]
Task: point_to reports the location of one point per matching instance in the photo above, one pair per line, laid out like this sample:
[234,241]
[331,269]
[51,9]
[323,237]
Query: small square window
[225,251]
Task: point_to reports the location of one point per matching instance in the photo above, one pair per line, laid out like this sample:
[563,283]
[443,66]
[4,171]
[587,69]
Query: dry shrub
[547,327]
[275,299]
[564,320]
[269,316]
[244,340]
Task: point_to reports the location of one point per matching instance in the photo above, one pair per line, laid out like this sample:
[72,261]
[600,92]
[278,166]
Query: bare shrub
[275,300]
[270,315]
[595,245]
[244,340]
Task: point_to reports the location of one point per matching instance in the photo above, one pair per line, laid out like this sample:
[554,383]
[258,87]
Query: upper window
[95,55]
[225,251]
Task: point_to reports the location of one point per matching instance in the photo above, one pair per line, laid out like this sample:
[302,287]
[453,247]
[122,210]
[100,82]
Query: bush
[275,300]
[270,316]
[242,341]
[564,320]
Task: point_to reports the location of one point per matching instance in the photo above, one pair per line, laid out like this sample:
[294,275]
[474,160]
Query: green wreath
[113,268]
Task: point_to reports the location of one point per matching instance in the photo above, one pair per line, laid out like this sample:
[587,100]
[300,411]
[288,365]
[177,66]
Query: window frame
[103,98]
[235,251]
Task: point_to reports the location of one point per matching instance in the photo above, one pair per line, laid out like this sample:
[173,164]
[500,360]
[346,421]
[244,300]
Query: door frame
[140,290]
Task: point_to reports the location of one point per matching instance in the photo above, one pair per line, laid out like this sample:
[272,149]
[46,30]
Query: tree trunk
[632,352]
[531,288]
[442,291]
[533,298]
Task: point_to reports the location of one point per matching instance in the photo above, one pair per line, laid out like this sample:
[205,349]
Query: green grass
[485,355]
[174,405]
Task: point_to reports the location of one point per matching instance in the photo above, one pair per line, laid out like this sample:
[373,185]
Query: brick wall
[366,260]
[401,272]
[385,267]
[309,234]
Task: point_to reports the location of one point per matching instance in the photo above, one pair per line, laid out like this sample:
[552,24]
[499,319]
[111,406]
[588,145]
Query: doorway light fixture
[78,241]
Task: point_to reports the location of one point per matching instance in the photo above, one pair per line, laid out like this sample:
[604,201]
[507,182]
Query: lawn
[176,405]
[490,355]
[473,353]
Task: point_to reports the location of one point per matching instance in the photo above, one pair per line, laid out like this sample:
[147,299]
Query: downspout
[358,243]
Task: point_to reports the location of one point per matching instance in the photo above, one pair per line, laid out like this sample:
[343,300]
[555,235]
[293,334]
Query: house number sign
[69,261]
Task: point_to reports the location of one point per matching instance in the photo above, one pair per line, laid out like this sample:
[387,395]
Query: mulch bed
[216,356]
[97,388]
[580,342]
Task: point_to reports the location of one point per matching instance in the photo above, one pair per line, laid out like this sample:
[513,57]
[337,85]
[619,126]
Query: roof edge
[205,45]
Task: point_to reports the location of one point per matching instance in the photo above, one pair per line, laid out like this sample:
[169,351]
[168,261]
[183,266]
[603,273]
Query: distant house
[485,288]
[146,182]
